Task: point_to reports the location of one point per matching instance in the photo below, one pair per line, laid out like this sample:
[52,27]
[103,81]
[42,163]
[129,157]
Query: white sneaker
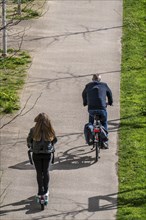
[46,198]
[47,194]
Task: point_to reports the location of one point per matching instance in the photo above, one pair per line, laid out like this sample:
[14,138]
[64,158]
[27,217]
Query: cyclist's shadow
[28,204]
[74,158]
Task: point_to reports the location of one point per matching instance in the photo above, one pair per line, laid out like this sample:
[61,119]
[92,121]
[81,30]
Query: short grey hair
[96,77]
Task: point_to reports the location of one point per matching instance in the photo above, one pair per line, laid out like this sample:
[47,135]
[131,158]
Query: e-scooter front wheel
[42,202]
[42,206]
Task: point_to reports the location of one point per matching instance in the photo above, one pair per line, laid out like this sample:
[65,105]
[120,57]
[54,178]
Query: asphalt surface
[72,41]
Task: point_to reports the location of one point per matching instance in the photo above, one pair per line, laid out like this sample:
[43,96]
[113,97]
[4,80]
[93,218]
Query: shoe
[105,145]
[46,198]
[47,194]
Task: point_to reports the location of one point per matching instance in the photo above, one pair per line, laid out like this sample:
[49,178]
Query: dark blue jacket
[94,95]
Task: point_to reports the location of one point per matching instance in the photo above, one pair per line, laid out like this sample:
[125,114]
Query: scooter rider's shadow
[32,206]
[25,165]
[29,204]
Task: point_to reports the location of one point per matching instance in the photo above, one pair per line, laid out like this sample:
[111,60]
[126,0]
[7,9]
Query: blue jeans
[103,114]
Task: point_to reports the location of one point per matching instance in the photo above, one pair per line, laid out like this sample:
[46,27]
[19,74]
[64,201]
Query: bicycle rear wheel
[96,151]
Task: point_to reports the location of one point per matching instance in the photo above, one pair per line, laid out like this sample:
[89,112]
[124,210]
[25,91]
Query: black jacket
[38,146]
[94,95]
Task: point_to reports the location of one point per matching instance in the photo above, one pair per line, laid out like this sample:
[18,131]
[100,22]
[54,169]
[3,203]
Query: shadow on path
[23,166]
[95,203]
[29,205]
[74,158]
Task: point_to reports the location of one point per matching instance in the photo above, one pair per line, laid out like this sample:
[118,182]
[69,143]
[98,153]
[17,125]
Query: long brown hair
[43,128]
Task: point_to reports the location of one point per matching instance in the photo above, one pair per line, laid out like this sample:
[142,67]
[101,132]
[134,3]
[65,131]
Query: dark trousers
[42,162]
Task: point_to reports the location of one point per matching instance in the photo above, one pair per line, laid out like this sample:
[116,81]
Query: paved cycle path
[72,41]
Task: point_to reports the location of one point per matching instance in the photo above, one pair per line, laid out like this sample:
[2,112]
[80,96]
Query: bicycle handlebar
[30,157]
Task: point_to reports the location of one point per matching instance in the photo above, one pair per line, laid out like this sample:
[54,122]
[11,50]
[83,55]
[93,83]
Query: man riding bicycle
[94,95]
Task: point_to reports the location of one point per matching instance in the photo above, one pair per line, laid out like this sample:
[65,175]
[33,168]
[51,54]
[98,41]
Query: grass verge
[13,67]
[132,152]
[12,78]
[29,9]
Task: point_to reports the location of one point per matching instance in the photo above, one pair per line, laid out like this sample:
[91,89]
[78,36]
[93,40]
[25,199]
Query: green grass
[12,78]
[132,135]
[29,9]
[13,68]
[23,1]
[132,138]
[27,14]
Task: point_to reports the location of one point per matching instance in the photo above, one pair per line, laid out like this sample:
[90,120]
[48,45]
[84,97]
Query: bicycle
[99,135]
[96,136]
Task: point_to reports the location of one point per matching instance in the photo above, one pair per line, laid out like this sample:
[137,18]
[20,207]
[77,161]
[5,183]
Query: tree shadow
[70,77]
[117,124]
[30,206]
[137,199]
[113,125]
[95,203]
[74,158]
[86,31]
[113,201]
